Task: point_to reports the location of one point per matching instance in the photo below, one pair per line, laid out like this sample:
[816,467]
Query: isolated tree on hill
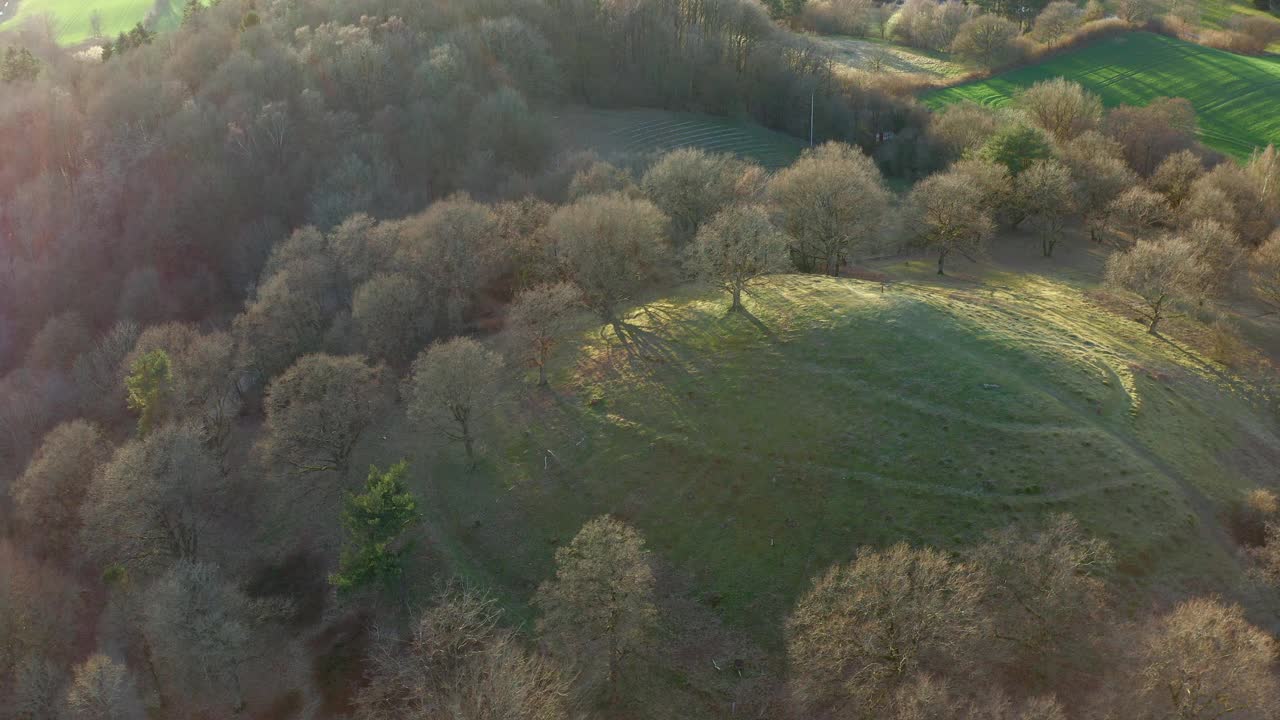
[1056,20]
[1201,661]
[1061,107]
[988,40]
[1045,196]
[691,186]
[537,319]
[1175,175]
[49,492]
[613,246]
[833,204]
[459,662]
[738,246]
[452,388]
[103,689]
[947,215]
[598,611]
[867,627]
[154,501]
[317,411]
[1016,147]
[1046,589]
[1161,273]
[1264,271]
[1099,177]
[201,629]
[1137,11]
[391,315]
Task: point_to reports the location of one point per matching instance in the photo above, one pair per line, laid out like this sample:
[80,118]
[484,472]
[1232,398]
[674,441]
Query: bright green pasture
[72,17]
[1236,97]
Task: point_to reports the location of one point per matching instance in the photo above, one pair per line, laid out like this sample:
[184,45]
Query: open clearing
[755,451]
[643,132]
[1237,97]
[72,17]
[883,56]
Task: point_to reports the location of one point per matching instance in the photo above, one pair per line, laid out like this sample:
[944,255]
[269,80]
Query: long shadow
[742,312]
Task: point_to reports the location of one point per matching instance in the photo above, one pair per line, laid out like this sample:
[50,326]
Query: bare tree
[1264,271]
[1175,175]
[1046,591]
[1099,176]
[865,628]
[599,610]
[1219,252]
[601,178]
[452,250]
[948,215]
[1202,661]
[203,374]
[318,410]
[1138,211]
[154,500]
[452,388]
[1061,107]
[201,629]
[49,492]
[1045,196]
[738,246]
[103,689]
[613,247]
[1161,273]
[833,204]
[1057,19]
[537,320]
[460,664]
[988,40]
[392,316]
[691,186]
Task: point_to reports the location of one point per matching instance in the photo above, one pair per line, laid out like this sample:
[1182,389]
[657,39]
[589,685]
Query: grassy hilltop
[755,451]
[1236,97]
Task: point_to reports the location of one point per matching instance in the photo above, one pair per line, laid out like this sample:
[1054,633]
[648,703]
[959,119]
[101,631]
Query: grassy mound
[72,17]
[754,451]
[656,131]
[1237,97]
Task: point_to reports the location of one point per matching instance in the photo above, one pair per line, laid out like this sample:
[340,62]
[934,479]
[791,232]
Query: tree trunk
[941,258]
[737,298]
[542,374]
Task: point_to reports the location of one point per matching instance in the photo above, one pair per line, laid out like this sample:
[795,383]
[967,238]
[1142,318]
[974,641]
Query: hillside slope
[755,451]
[1236,97]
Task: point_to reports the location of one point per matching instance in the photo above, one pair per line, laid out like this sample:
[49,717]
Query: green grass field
[72,16]
[641,132]
[1237,97]
[754,452]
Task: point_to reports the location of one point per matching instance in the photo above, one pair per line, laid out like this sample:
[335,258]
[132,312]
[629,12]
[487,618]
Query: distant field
[654,131]
[72,16]
[1237,97]
[879,55]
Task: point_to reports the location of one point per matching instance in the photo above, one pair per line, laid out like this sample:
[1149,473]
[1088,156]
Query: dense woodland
[230,252]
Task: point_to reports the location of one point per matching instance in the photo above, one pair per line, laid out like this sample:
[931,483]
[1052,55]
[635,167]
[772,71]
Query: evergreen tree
[149,382]
[375,524]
